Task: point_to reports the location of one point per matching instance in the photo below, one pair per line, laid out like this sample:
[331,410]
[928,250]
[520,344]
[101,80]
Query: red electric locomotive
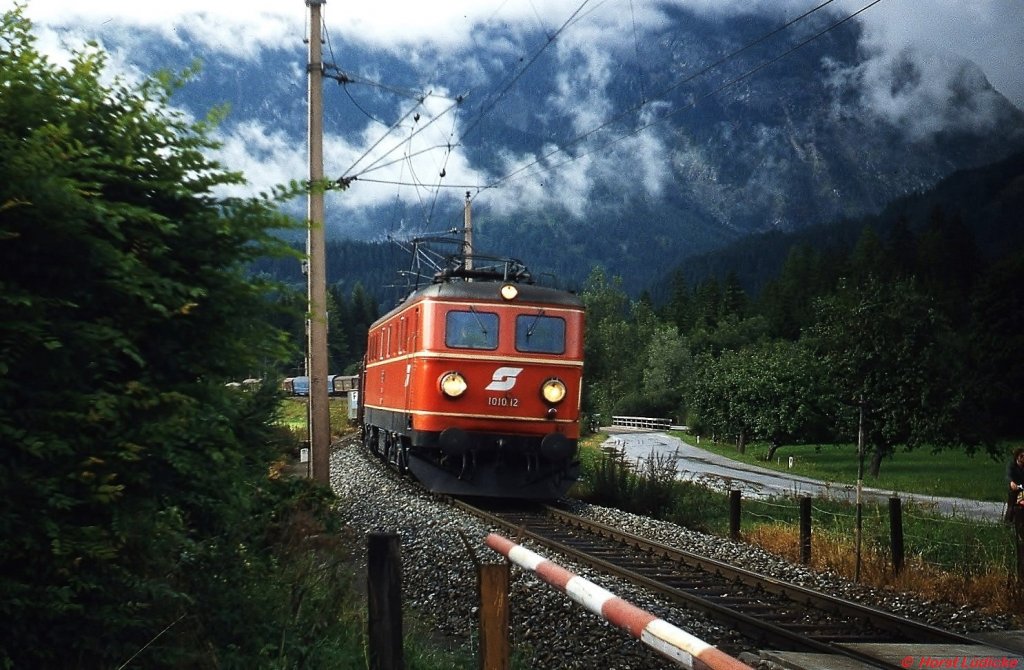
[473,383]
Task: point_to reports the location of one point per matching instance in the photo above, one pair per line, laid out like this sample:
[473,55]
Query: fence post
[896,533]
[384,591]
[805,529]
[493,580]
[734,514]
[1018,539]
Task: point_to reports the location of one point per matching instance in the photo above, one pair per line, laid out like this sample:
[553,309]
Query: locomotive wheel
[402,448]
[370,438]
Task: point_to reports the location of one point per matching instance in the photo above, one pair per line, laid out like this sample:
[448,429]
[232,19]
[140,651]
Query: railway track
[771,613]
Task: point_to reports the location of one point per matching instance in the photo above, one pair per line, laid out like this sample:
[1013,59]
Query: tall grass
[294,415]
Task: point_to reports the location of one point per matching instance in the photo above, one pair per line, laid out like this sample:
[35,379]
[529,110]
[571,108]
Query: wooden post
[384,592]
[805,529]
[896,533]
[1018,538]
[859,523]
[493,580]
[734,514]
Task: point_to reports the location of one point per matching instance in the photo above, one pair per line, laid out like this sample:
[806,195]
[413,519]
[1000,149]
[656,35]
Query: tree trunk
[741,442]
[880,452]
[772,449]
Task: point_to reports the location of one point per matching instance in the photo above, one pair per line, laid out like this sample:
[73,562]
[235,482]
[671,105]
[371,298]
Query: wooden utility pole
[319,409]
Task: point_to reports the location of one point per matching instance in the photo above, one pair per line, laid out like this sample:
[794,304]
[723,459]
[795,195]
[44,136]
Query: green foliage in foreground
[139,521]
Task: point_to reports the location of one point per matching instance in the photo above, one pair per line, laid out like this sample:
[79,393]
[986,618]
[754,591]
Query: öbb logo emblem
[503,379]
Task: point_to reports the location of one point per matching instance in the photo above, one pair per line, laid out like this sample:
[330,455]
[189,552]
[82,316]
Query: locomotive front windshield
[540,334]
[471,330]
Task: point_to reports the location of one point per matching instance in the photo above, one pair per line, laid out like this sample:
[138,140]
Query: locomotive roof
[489,291]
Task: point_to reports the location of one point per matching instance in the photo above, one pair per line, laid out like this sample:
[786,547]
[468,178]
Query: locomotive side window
[541,334]
[471,330]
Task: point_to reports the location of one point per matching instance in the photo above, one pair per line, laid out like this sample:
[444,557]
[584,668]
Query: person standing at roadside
[1015,481]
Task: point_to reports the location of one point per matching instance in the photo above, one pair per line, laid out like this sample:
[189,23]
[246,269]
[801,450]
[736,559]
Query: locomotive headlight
[453,384]
[553,390]
[509,291]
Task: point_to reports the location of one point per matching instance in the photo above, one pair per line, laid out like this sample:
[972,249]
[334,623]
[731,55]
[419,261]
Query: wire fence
[927,540]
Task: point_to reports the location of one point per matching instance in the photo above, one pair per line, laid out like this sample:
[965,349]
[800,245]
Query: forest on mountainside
[987,200]
[916,330]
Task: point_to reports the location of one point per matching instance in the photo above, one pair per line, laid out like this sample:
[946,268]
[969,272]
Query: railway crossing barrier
[672,642]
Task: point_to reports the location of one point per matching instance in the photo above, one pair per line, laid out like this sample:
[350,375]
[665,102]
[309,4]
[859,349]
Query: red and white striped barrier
[663,637]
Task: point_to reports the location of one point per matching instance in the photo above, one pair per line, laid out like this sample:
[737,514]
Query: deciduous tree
[888,348]
[134,480]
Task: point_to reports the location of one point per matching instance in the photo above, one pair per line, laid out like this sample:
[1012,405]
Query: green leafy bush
[138,516]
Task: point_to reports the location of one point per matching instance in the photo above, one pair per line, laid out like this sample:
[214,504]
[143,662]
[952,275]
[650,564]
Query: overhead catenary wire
[644,100]
[636,47]
[332,71]
[343,77]
[488,105]
[443,171]
[375,165]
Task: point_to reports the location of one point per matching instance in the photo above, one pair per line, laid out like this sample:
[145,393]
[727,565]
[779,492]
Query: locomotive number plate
[503,401]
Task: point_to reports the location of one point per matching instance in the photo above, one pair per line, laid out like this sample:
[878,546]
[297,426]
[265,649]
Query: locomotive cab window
[471,330]
[541,334]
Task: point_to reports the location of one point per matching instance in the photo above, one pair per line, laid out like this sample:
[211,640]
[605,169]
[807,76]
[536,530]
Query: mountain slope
[988,200]
[625,154]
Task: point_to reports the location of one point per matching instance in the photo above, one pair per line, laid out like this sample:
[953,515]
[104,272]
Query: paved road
[722,473]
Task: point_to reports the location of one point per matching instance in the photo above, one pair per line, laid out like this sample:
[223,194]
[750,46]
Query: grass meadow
[977,476]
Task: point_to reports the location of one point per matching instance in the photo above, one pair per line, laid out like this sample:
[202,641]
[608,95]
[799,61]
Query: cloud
[984,31]
[928,71]
[923,93]
[913,75]
[533,187]
[940,34]
[220,27]
[403,165]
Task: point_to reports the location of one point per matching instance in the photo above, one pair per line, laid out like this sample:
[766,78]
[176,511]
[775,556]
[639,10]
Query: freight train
[473,383]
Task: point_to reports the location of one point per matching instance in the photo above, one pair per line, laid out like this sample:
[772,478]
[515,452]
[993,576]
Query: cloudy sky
[935,34]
